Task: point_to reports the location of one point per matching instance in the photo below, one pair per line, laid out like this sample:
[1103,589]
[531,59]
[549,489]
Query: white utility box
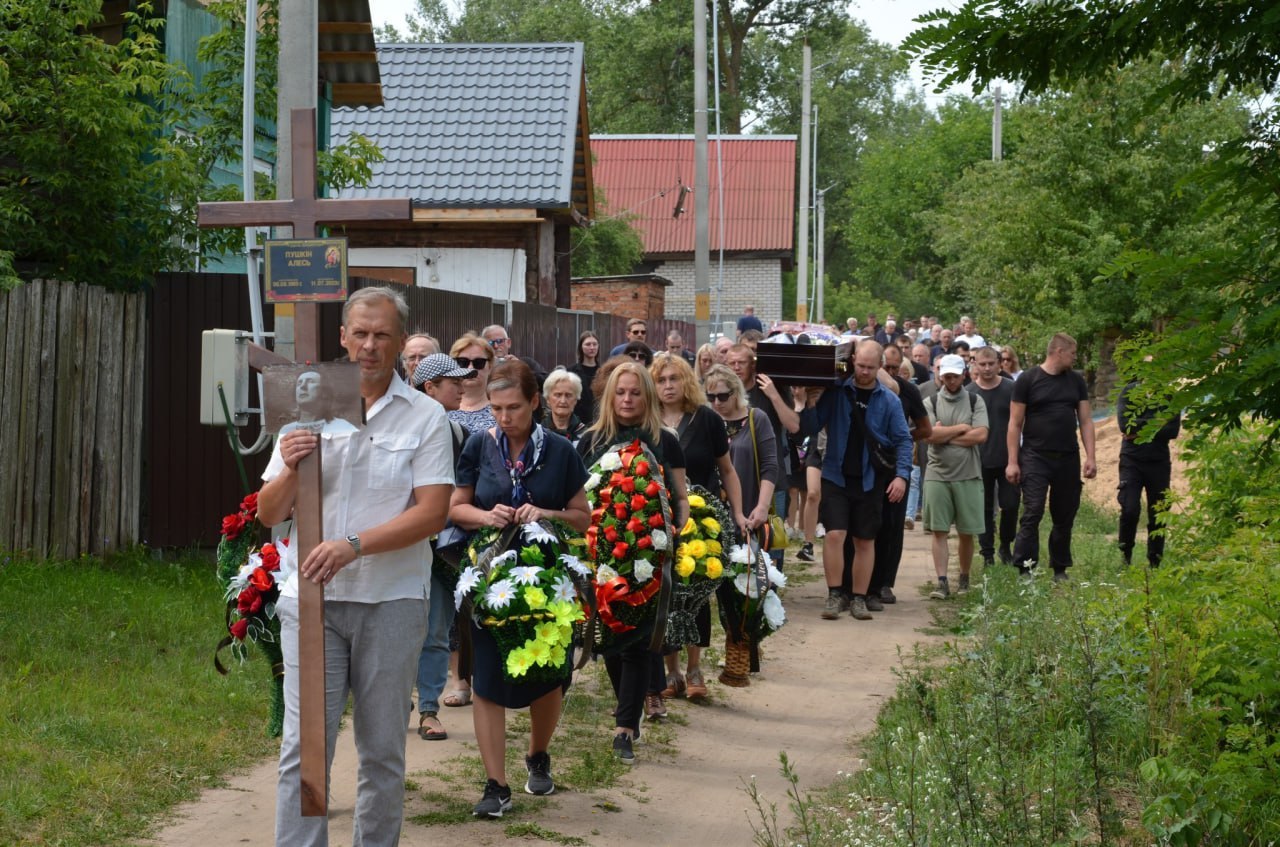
[224,360]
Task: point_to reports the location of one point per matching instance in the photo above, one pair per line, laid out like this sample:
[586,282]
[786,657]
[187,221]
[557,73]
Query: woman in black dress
[515,472]
[629,409]
[705,443]
[586,366]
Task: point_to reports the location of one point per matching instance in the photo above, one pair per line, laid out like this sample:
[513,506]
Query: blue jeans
[433,662]
[913,493]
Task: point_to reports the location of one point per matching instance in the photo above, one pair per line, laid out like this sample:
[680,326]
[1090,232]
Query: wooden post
[303,211]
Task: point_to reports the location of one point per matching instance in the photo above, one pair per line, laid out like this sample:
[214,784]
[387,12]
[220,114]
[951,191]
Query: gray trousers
[370,652]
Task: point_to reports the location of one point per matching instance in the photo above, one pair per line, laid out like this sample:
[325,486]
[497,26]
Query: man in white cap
[953,474]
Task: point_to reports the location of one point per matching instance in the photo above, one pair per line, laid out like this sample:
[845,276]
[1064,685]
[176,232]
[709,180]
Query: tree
[1216,359]
[89,172]
[607,246]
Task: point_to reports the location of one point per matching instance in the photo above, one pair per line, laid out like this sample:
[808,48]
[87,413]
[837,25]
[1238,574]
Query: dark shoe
[1061,576]
[909,524]
[963,586]
[988,561]
[539,767]
[654,708]
[858,608]
[831,611]
[1006,557]
[887,596]
[942,592]
[874,604]
[622,749]
[430,728]
[806,552]
[496,800]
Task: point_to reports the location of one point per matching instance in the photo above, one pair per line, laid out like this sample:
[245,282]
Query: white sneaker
[821,531]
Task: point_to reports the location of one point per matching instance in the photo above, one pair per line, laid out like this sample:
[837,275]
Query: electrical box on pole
[224,360]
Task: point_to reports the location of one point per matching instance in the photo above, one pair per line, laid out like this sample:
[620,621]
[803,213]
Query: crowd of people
[933,426]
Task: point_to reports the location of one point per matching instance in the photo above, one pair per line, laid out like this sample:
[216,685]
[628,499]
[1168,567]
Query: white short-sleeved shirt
[974,341]
[369,477]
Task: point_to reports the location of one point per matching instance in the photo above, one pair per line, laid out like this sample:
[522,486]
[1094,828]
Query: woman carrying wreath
[629,410]
[705,444]
[515,472]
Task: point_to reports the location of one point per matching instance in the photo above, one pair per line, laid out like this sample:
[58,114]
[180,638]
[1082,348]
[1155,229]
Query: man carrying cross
[385,490]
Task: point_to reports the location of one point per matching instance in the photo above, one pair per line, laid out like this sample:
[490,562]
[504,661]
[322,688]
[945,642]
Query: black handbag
[884,459]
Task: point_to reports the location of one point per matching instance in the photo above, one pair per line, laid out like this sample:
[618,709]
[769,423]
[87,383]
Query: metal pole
[813,204]
[802,229]
[715,53]
[997,130]
[819,263]
[701,193]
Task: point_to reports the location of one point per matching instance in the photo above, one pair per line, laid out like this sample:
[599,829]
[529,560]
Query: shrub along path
[820,689]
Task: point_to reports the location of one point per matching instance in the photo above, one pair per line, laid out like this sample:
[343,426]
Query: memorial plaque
[307,270]
[820,365]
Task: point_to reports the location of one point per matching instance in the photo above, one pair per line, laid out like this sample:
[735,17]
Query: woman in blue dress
[515,472]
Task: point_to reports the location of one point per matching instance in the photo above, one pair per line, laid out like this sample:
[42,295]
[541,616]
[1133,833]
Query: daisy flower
[564,590]
[526,574]
[574,564]
[500,594]
[535,533]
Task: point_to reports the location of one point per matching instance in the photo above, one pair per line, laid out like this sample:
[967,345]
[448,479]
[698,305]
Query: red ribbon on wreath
[617,590]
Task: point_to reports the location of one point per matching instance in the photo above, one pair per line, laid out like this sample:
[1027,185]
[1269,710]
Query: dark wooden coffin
[803,364]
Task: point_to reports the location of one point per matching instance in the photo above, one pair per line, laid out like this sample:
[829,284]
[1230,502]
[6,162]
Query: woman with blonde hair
[705,444]
[753,449]
[704,359]
[474,354]
[629,409]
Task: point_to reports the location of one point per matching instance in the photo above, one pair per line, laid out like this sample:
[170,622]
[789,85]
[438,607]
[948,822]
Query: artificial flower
[574,564]
[697,548]
[518,662]
[233,525]
[685,566]
[261,579]
[660,539]
[696,502]
[740,554]
[689,527]
[776,577]
[270,556]
[714,547]
[500,594]
[539,651]
[536,533]
[501,559]
[643,570]
[641,468]
[745,581]
[604,573]
[656,520]
[774,614]
[715,568]
[526,574]
[240,629]
[548,632]
[711,525]
[564,589]
[652,489]
[610,461]
[558,656]
[592,482]
[566,613]
[535,598]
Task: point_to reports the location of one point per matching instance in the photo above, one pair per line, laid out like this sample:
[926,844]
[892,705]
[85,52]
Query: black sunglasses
[722,397]
[639,332]
[479,363]
[637,355]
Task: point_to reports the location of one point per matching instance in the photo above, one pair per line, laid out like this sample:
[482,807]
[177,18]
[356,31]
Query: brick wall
[629,298]
[757,282]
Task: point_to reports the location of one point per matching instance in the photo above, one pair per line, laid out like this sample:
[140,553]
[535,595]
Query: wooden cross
[303,212]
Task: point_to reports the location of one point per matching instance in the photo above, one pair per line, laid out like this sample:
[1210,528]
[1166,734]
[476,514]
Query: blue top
[747,322]
[552,483]
[885,421]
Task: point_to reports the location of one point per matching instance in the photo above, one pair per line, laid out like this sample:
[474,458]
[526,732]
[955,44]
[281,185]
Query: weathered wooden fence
[71,397]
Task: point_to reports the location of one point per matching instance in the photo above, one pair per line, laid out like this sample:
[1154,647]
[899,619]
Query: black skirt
[488,681]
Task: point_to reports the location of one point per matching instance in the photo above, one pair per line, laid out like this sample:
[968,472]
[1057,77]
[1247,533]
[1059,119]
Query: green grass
[110,709]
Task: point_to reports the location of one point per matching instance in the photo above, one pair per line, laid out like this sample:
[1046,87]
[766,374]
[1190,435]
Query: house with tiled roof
[649,178]
[490,142]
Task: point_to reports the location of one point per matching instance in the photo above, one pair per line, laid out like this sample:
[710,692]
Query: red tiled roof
[642,175]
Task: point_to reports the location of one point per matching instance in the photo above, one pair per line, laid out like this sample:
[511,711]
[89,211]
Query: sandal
[433,732]
[458,697]
[675,686]
[697,687]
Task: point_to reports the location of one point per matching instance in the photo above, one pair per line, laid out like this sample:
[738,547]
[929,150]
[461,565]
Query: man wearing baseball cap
[953,474]
[440,378]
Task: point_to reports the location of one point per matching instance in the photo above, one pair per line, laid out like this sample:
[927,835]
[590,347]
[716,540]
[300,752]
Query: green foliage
[1096,172]
[608,246]
[89,172]
[852,301]
[112,711]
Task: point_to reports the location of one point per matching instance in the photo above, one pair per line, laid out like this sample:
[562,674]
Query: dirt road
[820,688]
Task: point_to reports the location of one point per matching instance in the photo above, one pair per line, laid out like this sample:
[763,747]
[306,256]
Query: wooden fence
[71,399]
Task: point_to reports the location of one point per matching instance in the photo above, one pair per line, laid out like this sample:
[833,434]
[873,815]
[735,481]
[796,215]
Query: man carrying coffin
[386,489]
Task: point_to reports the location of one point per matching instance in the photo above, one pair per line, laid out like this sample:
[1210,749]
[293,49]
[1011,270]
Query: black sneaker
[873,603]
[887,596]
[539,767]
[496,800]
[806,552]
[622,749]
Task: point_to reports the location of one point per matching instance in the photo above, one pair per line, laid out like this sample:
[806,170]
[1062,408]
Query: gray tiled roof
[473,125]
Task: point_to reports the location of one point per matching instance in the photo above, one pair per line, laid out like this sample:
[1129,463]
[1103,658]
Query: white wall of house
[757,282]
[496,274]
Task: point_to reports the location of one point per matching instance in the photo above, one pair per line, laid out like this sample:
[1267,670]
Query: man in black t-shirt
[1049,401]
[996,391]
[1144,465]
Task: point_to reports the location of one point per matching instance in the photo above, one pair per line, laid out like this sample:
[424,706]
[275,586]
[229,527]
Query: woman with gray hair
[562,391]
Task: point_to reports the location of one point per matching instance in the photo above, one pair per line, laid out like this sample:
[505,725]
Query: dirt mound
[1102,489]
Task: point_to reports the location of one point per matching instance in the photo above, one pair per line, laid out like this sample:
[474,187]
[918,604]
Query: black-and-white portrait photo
[322,398]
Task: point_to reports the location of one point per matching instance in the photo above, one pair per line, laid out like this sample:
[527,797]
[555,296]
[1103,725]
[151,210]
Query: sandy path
[821,686]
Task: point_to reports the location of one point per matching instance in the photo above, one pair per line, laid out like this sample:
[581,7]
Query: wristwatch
[354,541]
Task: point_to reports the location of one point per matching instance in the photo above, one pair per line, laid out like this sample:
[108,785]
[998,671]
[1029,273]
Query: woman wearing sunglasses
[638,351]
[475,354]
[705,444]
[753,449]
[629,409]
